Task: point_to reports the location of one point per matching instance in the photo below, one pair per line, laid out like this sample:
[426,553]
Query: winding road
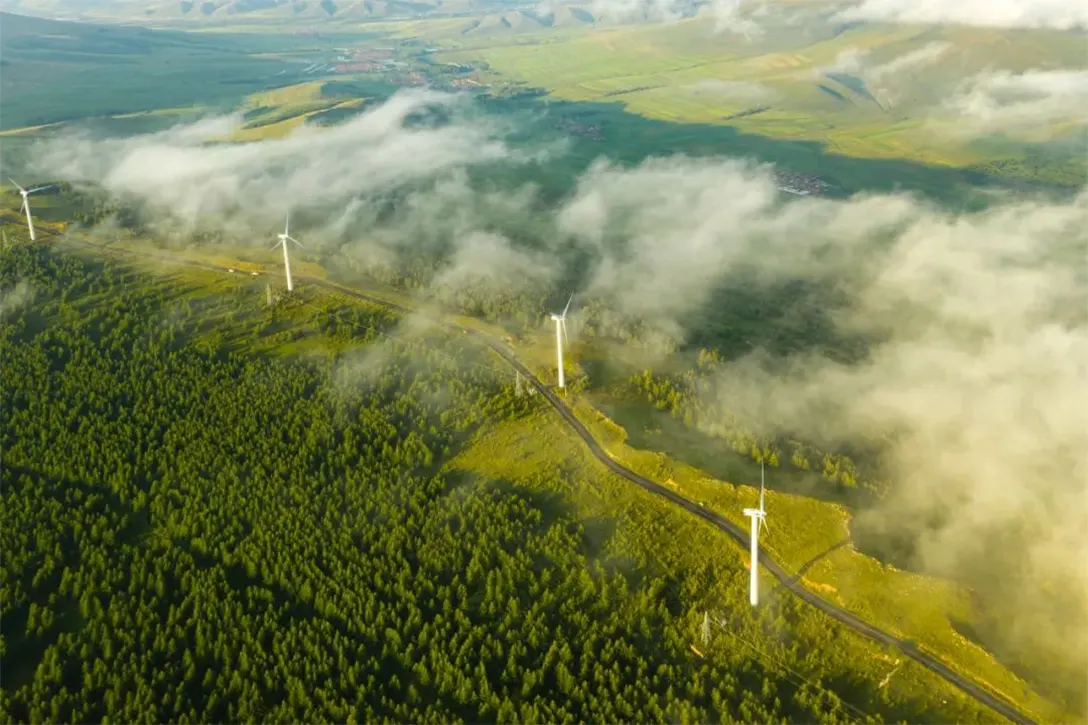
[982,695]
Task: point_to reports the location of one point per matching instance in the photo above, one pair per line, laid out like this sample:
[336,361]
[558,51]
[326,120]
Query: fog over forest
[975,373]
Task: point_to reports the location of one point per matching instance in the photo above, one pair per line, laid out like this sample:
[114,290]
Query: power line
[865,716]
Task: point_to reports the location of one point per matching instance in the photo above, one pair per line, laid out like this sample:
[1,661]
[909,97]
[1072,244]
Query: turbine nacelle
[283,238]
[758,514]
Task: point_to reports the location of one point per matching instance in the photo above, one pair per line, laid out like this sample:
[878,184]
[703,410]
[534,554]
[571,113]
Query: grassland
[782,87]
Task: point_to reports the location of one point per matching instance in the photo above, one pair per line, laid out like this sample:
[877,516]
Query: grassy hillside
[786,86]
[203,13]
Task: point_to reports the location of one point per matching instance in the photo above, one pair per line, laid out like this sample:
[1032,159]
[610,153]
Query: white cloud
[847,61]
[741,17]
[1056,14]
[978,372]
[1024,103]
[887,82]
[16,298]
[926,55]
[179,174]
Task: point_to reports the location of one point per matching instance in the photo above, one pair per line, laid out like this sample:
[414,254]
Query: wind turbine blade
[274,246]
[296,242]
[568,304]
[16,184]
[563,327]
[762,523]
[40,188]
[287,226]
[22,207]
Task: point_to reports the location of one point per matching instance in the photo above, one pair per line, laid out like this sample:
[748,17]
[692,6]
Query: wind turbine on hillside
[26,204]
[560,335]
[283,239]
[759,517]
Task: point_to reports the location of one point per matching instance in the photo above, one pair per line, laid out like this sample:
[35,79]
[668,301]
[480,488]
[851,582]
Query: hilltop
[300,12]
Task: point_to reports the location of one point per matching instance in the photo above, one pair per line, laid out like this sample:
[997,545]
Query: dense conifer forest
[194,531]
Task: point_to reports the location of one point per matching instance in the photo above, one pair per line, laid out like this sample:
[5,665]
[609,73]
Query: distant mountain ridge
[253,10]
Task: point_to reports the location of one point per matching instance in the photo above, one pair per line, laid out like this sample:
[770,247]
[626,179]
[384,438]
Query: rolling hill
[250,11]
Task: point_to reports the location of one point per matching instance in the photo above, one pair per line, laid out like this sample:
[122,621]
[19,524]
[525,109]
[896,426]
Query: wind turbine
[758,516]
[560,335]
[286,259]
[26,204]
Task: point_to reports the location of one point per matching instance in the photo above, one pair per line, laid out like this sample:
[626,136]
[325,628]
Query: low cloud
[180,176]
[976,371]
[740,17]
[887,82]
[660,231]
[16,298]
[975,380]
[847,61]
[1054,14]
[1026,104]
[633,11]
[913,60]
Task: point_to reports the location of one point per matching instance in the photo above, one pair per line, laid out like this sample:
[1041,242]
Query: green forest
[204,521]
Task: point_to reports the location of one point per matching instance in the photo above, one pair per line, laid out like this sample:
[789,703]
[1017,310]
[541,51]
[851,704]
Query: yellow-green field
[686,72]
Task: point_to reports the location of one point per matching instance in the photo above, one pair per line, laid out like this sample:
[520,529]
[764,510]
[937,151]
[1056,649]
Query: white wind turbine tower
[283,238]
[758,516]
[560,335]
[26,204]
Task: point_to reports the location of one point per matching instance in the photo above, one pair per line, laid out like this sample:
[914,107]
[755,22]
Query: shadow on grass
[814,560]
[651,429]
[629,138]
